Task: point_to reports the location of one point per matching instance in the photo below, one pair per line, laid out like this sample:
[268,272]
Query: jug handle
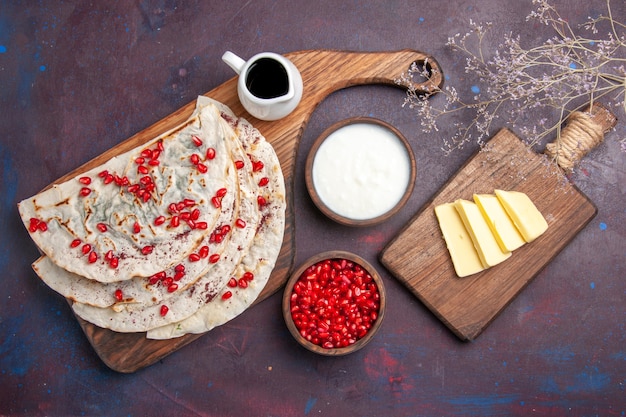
[233,61]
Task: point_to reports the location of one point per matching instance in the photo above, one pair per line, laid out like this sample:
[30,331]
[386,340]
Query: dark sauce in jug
[267,78]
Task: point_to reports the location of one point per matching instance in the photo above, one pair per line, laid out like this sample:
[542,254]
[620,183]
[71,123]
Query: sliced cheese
[464,256]
[484,241]
[501,225]
[527,218]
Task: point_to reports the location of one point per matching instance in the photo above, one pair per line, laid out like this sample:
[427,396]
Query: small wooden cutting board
[418,256]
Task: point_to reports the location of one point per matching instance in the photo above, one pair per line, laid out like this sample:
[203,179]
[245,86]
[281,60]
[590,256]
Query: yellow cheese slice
[501,225]
[484,241]
[527,218]
[464,256]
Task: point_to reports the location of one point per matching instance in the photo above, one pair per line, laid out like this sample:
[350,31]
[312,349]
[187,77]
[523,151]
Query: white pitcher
[269,85]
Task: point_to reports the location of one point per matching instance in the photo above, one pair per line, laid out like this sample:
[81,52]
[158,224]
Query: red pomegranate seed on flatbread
[196,140]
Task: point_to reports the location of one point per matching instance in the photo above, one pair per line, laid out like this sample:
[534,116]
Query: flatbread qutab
[108,208]
[212,212]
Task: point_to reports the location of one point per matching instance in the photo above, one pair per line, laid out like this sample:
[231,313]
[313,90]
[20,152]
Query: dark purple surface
[76,79]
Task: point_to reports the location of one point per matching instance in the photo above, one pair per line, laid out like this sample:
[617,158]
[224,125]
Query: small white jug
[269,85]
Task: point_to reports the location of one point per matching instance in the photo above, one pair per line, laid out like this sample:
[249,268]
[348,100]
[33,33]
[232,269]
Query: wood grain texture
[418,256]
[323,72]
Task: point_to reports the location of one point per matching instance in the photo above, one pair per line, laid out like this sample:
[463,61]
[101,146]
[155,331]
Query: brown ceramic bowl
[391,194]
[332,300]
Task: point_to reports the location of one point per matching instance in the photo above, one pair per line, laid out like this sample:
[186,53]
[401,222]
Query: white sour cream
[361,171]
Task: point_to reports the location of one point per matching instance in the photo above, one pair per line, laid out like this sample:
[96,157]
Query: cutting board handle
[331,70]
[584,130]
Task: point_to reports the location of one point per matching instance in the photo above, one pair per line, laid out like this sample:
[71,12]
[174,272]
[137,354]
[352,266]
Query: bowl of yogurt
[360,171]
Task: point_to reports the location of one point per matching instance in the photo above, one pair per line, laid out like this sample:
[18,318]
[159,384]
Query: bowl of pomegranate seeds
[360,171]
[334,303]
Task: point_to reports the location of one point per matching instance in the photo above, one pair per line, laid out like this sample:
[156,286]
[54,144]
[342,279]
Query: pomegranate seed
[75,243]
[33,224]
[210,153]
[145,180]
[179,268]
[178,276]
[240,223]
[239,164]
[264,181]
[93,257]
[118,295]
[142,169]
[217,202]
[140,160]
[133,188]
[257,166]
[172,208]
[145,197]
[214,258]
[242,283]
[201,225]
[172,287]
[194,257]
[227,295]
[191,223]
[159,220]
[261,201]
[175,221]
[202,168]
[108,179]
[108,256]
[164,310]
[42,226]
[204,252]
[232,283]
[85,180]
[216,238]
[86,248]
[136,228]
[147,250]
[153,162]
[102,227]
[160,146]
[156,153]
[225,229]
[196,140]
[248,276]
[189,202]
[103,174]
[194,158]
[85,191]
[114,262]
[195,214]
[221,192]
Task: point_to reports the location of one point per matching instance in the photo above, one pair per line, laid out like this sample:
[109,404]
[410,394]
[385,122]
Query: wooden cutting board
[418,256]
[323,72]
